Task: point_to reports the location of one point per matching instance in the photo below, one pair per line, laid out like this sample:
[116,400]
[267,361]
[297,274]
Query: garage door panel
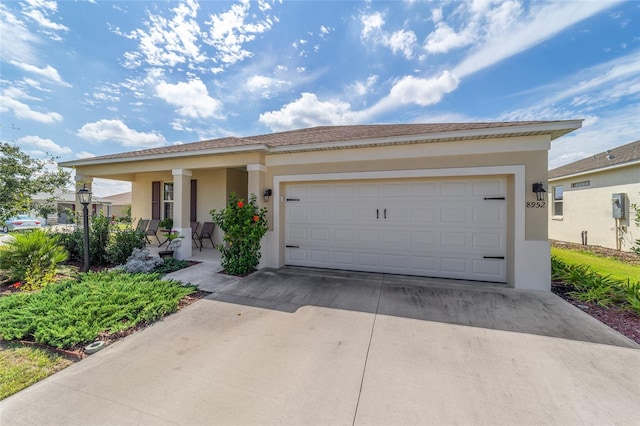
[435,227]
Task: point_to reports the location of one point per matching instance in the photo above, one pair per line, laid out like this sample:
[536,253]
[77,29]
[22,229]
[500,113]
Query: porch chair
[194,232]
[152,230]
[142,225]
[206,232]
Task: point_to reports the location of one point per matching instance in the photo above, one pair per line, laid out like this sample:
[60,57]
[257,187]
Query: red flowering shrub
[243,225]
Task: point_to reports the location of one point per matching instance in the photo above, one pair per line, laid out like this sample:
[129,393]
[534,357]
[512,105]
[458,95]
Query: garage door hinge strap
[493,257]
[494,198]
[292,246]
[293,199]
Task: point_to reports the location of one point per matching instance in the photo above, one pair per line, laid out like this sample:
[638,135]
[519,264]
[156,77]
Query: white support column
[80,182]
[181,211]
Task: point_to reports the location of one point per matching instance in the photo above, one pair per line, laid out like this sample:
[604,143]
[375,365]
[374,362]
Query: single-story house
[438,200]
[119,204]
[591,199]
[65,205]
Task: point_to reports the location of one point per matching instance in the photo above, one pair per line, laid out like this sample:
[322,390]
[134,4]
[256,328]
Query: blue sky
[86,78]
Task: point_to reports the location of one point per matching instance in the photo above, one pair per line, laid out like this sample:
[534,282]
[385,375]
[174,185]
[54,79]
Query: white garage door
[451,228]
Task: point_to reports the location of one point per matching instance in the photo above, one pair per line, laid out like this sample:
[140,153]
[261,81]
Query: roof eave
[597,170]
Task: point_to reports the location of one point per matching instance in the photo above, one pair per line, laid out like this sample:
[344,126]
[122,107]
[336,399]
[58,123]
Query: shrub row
[69,313]
[590,286]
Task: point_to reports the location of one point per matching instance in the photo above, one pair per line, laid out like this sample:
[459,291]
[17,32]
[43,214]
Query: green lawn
[21,366]
[601,265]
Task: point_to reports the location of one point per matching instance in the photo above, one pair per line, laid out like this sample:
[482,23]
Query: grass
[21,366]
[602,265]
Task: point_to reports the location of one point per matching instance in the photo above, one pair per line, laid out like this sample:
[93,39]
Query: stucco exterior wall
[590,209]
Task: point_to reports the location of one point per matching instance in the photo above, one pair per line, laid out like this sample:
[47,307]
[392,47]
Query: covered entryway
[438,227]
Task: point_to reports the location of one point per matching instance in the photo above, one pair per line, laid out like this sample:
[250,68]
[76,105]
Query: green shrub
[32,258]
[99,235]
[70,313]
[243,225]
[171,264]
[73,243]
[122,244]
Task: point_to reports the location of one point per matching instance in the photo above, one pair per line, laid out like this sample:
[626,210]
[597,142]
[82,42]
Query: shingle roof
[613,157]
[119,199]
[340,134]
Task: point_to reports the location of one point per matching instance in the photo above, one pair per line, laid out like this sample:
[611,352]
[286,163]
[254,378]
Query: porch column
[181,209]
[80,182]
[256,185]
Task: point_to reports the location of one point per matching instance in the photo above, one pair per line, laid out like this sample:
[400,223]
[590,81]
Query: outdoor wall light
[539,190]
[267,194]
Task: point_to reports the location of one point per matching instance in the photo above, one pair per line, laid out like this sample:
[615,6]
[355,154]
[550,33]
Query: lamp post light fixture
[84,197]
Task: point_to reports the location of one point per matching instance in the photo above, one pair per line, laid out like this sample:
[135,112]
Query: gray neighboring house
[65,204]
[590,199]
[118,203]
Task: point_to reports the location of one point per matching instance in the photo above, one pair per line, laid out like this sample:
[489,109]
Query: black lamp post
[84,197]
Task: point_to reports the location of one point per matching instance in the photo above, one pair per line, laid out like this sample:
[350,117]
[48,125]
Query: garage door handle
[377,213]
[292,246]
[493,257]
[385,213]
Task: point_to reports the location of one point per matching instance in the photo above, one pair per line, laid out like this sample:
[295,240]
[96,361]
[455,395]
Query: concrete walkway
[295,347]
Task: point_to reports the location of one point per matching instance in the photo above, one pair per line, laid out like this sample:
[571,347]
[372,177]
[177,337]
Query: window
[581,184]
[167,199]
[557,200]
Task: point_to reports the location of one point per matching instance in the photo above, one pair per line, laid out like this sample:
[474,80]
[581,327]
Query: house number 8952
[535,204]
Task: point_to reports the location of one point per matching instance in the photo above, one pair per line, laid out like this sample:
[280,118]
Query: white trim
[181,172]
[600,170]
[524,253]
[256,167]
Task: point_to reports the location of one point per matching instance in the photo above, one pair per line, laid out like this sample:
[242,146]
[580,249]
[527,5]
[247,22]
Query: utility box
[618,205]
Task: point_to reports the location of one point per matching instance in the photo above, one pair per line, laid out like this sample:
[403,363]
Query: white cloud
[371,24]
[265,86]
[47,72]
[40,12]
[403,41]
[118,132]
[168,42]
[363,88]
[44,144]
[9,102]
[22,39]
[444,39]
[308,111]
[542,23]
[230,30]
[417,91]
[191,98]
[84,154]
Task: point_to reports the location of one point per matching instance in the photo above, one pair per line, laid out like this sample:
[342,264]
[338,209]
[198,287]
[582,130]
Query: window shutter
[194,201]
[155,200]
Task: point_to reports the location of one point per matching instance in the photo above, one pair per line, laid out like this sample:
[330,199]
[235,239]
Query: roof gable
[629,153]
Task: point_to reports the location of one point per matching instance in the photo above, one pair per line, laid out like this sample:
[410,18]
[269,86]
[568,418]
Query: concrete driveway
[297,346]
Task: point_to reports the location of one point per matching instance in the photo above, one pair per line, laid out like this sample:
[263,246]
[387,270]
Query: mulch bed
[625,322]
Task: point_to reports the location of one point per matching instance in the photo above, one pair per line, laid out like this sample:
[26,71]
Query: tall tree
[22,177]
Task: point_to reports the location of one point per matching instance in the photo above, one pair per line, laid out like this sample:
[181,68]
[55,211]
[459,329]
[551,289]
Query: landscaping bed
[618,316]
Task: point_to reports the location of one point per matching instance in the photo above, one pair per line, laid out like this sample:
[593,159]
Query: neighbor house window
[167,199]
[581,184]
[557,200]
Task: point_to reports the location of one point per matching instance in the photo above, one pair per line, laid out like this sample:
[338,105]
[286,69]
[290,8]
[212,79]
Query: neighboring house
[590,199]
[120,203]
[64,203]
[439,200]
